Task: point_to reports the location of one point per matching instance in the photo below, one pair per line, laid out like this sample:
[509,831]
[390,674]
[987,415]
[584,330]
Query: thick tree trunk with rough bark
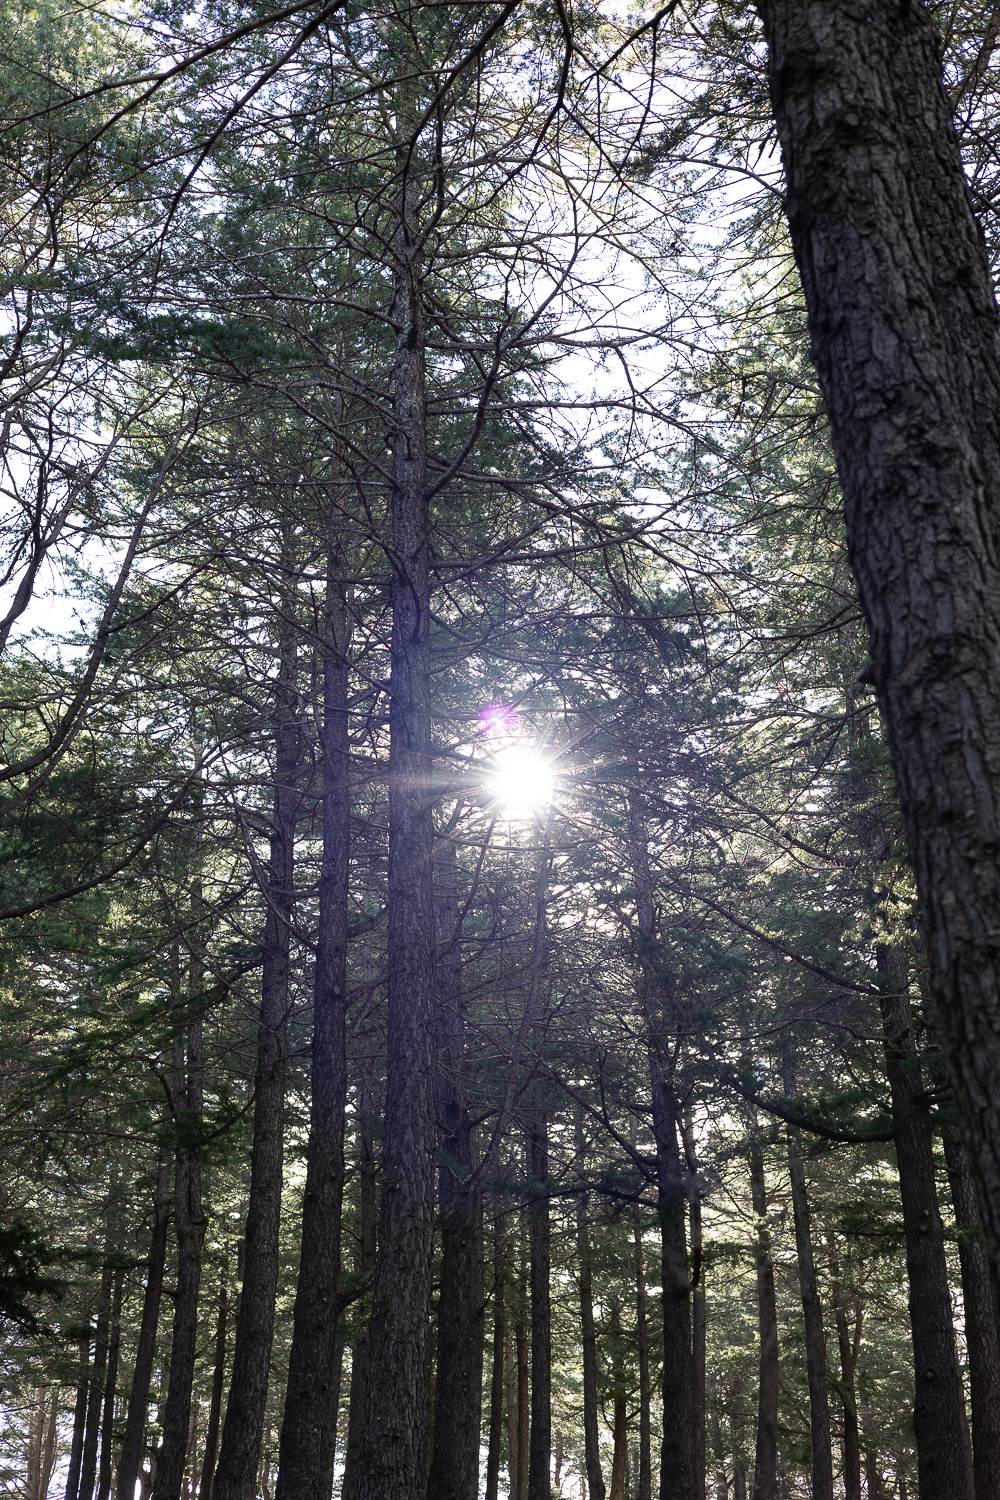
[765,1471]
[588,1339]
[394,1441]
[305,1468]
[130,1459]
[906,340]
[939,1421]
[540,1442]
[981,1337]
[454,1472]
[821,1443]
[239,1451]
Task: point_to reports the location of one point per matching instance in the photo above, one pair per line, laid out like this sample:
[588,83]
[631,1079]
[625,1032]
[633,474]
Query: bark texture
[539,1234]
[454,1472]
[305,1468]
[981,1337]
[130,1458]
[906,340]
[394,1440]
[239,1451]
[765,1470]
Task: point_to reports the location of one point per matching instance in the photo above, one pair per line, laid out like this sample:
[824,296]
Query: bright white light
[521,781]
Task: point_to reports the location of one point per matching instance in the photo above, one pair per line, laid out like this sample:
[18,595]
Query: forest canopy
[500,751]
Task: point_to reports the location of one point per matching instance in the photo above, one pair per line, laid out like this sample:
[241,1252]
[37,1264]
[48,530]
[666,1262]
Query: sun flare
[521,781]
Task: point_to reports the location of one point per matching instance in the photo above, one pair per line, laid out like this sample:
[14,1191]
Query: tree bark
[644,1476]
[239,1451]
[906,340]
[591,1432]
[130,1459]
[698,1352]
[364,1265]
[523,1385]
[189,1227]
[79,1423]
[306,1453]
[676,1459]
[110,1390]
[944,1459]
[394,1443]
[540,1443]
[765,1472]
[497,1365]
[218,1385]
[981,1338]
[454,1472]
[49,1449]
[95,1400]
[821,1444]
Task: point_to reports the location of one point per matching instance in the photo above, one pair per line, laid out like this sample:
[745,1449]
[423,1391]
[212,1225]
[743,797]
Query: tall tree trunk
[454,1472]
[540,1443]
[36,1431]
[130,1459]
[510,1397]
[981,1337]
[905,339]
[110,1390]
[497,1365]
[644,1474]
[79,1423]
[239,1451]
[591,1431]
[676,1459]
[95,1400]
[305,1466]
[698,1352]
[848,1341]
[765,1472]
[944,1458]
[523,1382]
[821,1444]
[189,1227]
[49,1448]
[218,1385]
[364,1265]
[393,1444]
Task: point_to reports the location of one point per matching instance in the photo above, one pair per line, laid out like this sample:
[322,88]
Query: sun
[521,781]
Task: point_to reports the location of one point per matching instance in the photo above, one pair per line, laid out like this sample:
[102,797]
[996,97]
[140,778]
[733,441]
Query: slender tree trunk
[906,341]
[873,1468]
[218,1384]
[591,1432]
[939,1422]
[454,1472]
[619,1450]
[364,1265]
[676,1461]
[821,1444]
[95,1400]
[239,1451]
[540,1444]
[765,1474]
[130,1459]
[510,1395]
[189,1227]
[305,1467]
[698,1352]
[394,1444]
[497,1366]
[79,1423]
[848,1341]
[644,1474]
[981,1337]
[108,1420]
[35,1436]
[523,1387]
[49,1449]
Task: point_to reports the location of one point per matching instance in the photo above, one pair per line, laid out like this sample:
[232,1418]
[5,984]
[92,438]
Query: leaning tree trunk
[765,1469]
[130,1458]
[906,341]
[394,1437]
[540,1441]
[239,1451]
[308,1429]
[454,1471]
[944,1460]
[981,1335]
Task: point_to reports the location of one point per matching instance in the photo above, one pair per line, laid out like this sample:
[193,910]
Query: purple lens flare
[497,720]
